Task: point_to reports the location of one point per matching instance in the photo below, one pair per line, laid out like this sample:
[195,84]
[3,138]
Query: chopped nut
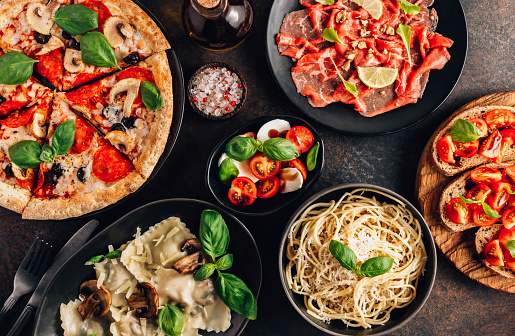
[354,44]
[340,17]
[351,56]
[385,51]
[346,65]
[369,56]
[383,28]
[364,22]
[351,52]
[364,33]
[390,31]
[382,93]
[362,45]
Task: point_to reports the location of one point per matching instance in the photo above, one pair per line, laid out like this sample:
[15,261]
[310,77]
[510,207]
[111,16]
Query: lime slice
[373,7]
[377,77]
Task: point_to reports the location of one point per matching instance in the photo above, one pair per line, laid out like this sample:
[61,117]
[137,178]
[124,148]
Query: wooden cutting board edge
[458,247]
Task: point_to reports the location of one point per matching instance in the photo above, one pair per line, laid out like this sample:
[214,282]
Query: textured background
[457,305]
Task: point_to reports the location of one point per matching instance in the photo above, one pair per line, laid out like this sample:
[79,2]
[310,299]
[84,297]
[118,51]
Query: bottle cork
[208,3]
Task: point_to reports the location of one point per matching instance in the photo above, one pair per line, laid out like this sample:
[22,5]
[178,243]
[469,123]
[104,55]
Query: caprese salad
[267,163]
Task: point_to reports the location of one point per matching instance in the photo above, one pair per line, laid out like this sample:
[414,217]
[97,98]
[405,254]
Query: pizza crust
[13,198]
[80,204]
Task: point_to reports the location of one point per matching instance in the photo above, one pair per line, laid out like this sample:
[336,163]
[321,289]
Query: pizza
[65,154]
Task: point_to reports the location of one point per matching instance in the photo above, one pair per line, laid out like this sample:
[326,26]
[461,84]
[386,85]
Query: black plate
[261,207]
[399,316]
[65,285]
[342,117]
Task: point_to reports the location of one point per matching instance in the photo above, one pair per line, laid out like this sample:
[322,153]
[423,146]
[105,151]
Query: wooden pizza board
[429,184]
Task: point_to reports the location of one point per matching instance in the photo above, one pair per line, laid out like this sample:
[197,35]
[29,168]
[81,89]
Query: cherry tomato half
[479,192]
[457,211]
[491,147]
[500,118]
[486,175]
[445,149]
[243,191]
[301,138]
[263,168]
[296,163]
[268,188]
[481,125]
[508,137]
[466,149]
[508,175]
[499,196]
[480,218]
[509,261]
[506,235]
[493,253]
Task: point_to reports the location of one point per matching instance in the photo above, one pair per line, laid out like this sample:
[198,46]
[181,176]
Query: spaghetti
[370,229]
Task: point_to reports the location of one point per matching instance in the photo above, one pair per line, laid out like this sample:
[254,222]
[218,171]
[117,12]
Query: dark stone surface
[457,305]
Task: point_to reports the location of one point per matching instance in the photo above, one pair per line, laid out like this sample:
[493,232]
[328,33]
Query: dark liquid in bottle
[220,28]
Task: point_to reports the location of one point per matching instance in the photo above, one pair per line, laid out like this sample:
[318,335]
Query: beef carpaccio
[366,42]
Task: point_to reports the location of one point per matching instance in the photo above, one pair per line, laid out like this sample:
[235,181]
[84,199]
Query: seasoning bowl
[262,207]
[196,101]
[398,316]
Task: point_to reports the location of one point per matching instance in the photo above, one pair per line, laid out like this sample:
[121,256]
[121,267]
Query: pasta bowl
[398,316]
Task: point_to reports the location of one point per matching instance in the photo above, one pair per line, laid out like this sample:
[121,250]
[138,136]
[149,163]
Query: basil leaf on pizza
[15,68]
[63,137]
[25,154]
[76,19]
[151,96]
[97,51]
[47,154]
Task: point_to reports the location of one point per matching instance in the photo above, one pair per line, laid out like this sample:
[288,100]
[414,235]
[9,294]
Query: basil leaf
[97,51]
[348,86]
[311,159]
[94,260]
[241,148]
[510,245]
[214,234]
[376,266]
[114,254]
[331,35]
[510,192]
[408,7]
[326,2]
[465,131]
[25,154]
[15,68]
[358,271]
[151,96]
[236,295]
[345,256]
[204,272]
[76,19]
[47,154]
[228,171]
[92,335]
[469,201]
[279,149]
[63,137]
[405,33]
[171,320]
[224,263]
[488,211]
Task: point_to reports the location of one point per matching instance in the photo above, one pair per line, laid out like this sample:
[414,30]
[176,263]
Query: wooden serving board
[429,184]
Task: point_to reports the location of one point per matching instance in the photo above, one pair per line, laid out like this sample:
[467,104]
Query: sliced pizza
[89,176]
[133,109]
[117,33]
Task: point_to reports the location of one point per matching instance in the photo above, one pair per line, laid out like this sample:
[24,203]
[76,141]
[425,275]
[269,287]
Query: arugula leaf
[204,272]
[345,256]
[15,68]
[348,86]
[311,159]
[25,154]
[329,34]
[510,245]
[325,2]
[376,266]
[408,7]
[465,131]
[76,19]
[236,295]
[405,33]
[171,320]
[214,234]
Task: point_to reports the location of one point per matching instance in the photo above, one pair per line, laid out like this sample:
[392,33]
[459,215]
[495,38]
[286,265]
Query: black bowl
[262,207]
[399,316]
[224,116]
[65,285]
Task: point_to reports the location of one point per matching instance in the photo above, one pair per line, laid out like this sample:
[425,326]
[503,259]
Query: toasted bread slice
[483,236]
[455,189]
[476,160]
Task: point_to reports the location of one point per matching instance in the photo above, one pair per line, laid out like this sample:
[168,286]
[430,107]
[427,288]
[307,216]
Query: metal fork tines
[29,273]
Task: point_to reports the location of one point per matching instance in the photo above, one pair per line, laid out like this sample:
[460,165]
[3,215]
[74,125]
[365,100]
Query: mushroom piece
[191,245]
[53,43]
[97,300]
[144,300]
[117,30]
[190,263]
[120,140]
[130,86]
[38,126]
[21,173]
[40,16]
[73,60]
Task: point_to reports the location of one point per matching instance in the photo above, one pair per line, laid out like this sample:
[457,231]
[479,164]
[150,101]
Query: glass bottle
[217,24]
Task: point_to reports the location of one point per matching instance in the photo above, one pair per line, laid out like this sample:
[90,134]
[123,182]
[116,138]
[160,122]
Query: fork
[29,273]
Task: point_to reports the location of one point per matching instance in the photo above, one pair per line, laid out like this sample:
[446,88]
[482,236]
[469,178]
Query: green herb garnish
[76,19]
[465,131]
[96,50]
[486,208]
[348,86]
[325,2]
[510,245]
[405,33]
[171,320]
[329,34]
[151,96]
[277,149]
[15,68]
[347,258]
[311,159]
[408,7]
[228,171]
[111,255]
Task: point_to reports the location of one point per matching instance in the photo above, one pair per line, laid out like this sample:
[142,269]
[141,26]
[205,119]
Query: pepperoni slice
[86,77]
[84,134]
[89,95]
[19,117]
[109,165]
[103,12]
[10,106]
[42,190]
[51,67]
